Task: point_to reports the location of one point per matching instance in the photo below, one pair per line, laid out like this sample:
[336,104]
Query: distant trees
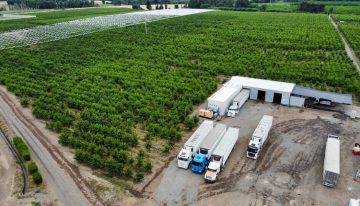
[51,4]
[311,7]
[242,3]
[148,4]
[116,2]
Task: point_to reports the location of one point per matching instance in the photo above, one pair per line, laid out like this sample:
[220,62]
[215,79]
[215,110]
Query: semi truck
[259,137]
[238,102]
[192,145]
[331,170]
[207,148]
[221,154]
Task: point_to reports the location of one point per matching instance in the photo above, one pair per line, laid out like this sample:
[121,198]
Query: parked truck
[191,146]
[221,154]
[207,148]
[331,170]
[238,102]
[354,202]
[259,137]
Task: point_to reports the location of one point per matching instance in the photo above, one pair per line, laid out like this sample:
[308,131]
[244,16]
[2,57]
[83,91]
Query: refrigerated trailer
[331,170]
[191,146]
[207,148]
[259,137]
[238,102]
[221,154]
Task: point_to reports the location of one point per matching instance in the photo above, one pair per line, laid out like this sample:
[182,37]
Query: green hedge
[32,167]
[22,148]
[37,178]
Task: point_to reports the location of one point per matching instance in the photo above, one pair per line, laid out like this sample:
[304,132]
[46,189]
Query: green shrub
[138,177]
[32,167]
[148,145]
[128,172]
[22,148]
[37,178]
[262,8]
[136,6]
[167,147]
[24,101]
[148,167]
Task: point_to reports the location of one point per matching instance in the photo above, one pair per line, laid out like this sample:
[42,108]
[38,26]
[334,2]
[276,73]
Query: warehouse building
[266,90]
[271,91]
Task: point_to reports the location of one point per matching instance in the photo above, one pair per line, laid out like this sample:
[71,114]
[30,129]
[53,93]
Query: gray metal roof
[334,97]
[213,137]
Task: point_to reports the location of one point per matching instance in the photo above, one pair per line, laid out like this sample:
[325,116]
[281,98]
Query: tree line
[50,4]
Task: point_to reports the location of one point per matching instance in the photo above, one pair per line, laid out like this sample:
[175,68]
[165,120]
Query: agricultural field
[51,17]
[351,29]
[114,94]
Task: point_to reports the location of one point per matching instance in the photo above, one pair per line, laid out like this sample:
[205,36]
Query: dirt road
[349,51]
[61,176]
[174,190]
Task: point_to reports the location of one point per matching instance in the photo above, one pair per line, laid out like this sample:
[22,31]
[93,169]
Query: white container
[209,144]
[331,170]
[259,136]
[221,154]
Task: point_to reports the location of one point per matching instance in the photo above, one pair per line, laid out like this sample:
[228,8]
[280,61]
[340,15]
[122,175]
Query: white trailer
[191,146]
[331,171]
[221,100]
[354,202]
[259,137]
[208,146]
[221,154]
[238,102]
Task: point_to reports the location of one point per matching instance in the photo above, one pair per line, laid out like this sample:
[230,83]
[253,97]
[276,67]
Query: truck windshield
[203,151]
[183,159]
[196,163]
[253,150]
[211,170]
[217,158]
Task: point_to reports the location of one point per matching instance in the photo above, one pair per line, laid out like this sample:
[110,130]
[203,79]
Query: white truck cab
[233,110]
[213,170]
[184,158]
[259,137]
[238,102]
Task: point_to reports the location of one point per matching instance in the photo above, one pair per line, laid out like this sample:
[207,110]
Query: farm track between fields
[13,116]
[349,50]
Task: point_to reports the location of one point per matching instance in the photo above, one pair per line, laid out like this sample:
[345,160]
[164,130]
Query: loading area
[289,169]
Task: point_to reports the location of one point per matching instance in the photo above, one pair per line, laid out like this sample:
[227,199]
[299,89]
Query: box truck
[207,148]
[221,154]
[238,102]
[331,170]
[191,146]
[259,137]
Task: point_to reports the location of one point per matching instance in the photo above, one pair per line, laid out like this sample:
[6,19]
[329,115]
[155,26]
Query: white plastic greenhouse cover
[64,30]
